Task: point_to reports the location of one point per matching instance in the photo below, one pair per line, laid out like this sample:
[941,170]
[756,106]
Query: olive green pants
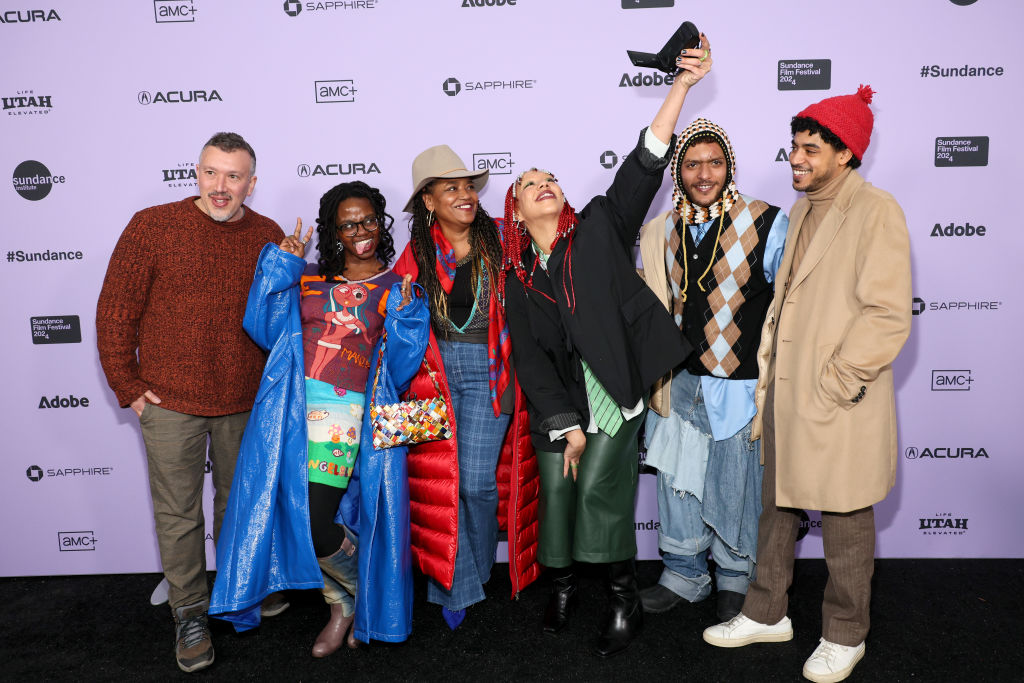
[590,519]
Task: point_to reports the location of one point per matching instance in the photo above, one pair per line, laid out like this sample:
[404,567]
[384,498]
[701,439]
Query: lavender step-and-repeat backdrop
[106,104]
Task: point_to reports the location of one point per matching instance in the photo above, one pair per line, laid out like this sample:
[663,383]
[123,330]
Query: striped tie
[607,414]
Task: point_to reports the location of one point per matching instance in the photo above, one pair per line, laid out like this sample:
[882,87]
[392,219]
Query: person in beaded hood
[712,261]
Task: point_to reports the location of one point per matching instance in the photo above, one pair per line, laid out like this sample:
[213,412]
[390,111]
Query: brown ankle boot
[333,634]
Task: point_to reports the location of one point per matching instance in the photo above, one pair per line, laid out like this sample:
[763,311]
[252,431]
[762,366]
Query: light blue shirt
[730,402]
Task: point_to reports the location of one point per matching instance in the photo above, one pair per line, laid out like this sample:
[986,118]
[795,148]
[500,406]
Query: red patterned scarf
[499,346]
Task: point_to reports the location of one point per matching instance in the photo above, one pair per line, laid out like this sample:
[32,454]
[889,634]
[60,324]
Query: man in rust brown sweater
[170,338]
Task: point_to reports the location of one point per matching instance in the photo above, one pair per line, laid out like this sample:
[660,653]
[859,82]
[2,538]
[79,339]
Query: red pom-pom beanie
[848,116]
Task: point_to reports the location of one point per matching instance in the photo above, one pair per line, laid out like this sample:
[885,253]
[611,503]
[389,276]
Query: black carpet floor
[932,620]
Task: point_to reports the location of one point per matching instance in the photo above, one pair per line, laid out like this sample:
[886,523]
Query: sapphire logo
[76,541]
[34,473]
[293,7]
[919,306]
[451,87]
[951,380]
[609,159]
[33,181]
[335,91]
[488,3]
[498,163]
[174,11]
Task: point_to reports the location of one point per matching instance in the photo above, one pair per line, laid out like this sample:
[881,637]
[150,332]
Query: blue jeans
[480,435]
[724,522]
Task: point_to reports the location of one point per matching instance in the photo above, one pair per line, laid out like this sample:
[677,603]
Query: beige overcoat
[844,320]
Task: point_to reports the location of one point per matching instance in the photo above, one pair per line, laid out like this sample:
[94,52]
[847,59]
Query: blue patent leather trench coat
[265,543]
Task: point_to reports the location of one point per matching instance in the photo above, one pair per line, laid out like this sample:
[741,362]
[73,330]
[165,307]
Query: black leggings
[323,506]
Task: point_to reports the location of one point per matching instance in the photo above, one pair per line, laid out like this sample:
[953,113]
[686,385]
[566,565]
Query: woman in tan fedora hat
[590,339]
[455,253]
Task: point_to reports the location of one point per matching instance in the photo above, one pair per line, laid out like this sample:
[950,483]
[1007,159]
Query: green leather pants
[590,519]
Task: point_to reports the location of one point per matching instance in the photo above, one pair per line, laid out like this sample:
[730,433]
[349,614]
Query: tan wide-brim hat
[437,162]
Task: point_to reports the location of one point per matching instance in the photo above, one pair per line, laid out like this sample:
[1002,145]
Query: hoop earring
[339,247]
[430,218]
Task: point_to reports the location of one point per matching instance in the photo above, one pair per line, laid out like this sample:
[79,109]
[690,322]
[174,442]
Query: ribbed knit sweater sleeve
[119,309]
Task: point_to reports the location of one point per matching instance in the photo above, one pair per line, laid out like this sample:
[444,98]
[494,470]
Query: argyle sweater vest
[723,322]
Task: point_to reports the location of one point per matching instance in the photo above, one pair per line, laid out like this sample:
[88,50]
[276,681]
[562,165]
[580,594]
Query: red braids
[516,239]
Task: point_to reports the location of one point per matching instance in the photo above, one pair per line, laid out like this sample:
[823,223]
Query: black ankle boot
[626,614]
[563,597]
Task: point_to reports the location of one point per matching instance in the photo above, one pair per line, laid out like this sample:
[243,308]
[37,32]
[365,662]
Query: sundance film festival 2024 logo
[33,181]
[56,329]
[27,103]
[805,74]
[174,11]
[966,150]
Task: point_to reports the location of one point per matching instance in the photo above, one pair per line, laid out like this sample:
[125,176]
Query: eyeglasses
[370,224]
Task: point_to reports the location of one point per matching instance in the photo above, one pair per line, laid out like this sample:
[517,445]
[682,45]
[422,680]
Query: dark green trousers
[590,519]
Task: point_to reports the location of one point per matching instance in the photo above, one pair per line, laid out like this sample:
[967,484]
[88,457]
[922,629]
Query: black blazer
[602,311]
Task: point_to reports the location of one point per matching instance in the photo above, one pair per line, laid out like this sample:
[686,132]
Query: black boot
[626,614]
[563,597]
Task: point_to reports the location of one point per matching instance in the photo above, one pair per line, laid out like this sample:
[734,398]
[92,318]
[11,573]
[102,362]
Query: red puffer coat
[434,482]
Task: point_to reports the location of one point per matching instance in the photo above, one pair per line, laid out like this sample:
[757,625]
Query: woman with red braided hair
[589,339]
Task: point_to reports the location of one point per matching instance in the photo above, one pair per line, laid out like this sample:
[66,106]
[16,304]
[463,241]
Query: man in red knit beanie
[825,395]
[170,337]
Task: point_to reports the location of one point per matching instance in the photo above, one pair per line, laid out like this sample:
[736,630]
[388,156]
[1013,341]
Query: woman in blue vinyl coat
[304,511]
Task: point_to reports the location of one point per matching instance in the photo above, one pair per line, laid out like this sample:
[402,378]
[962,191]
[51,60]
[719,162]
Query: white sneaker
[831,662]
[741,630]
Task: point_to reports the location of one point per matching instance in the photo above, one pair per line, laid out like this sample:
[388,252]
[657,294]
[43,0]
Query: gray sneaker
[193,647]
